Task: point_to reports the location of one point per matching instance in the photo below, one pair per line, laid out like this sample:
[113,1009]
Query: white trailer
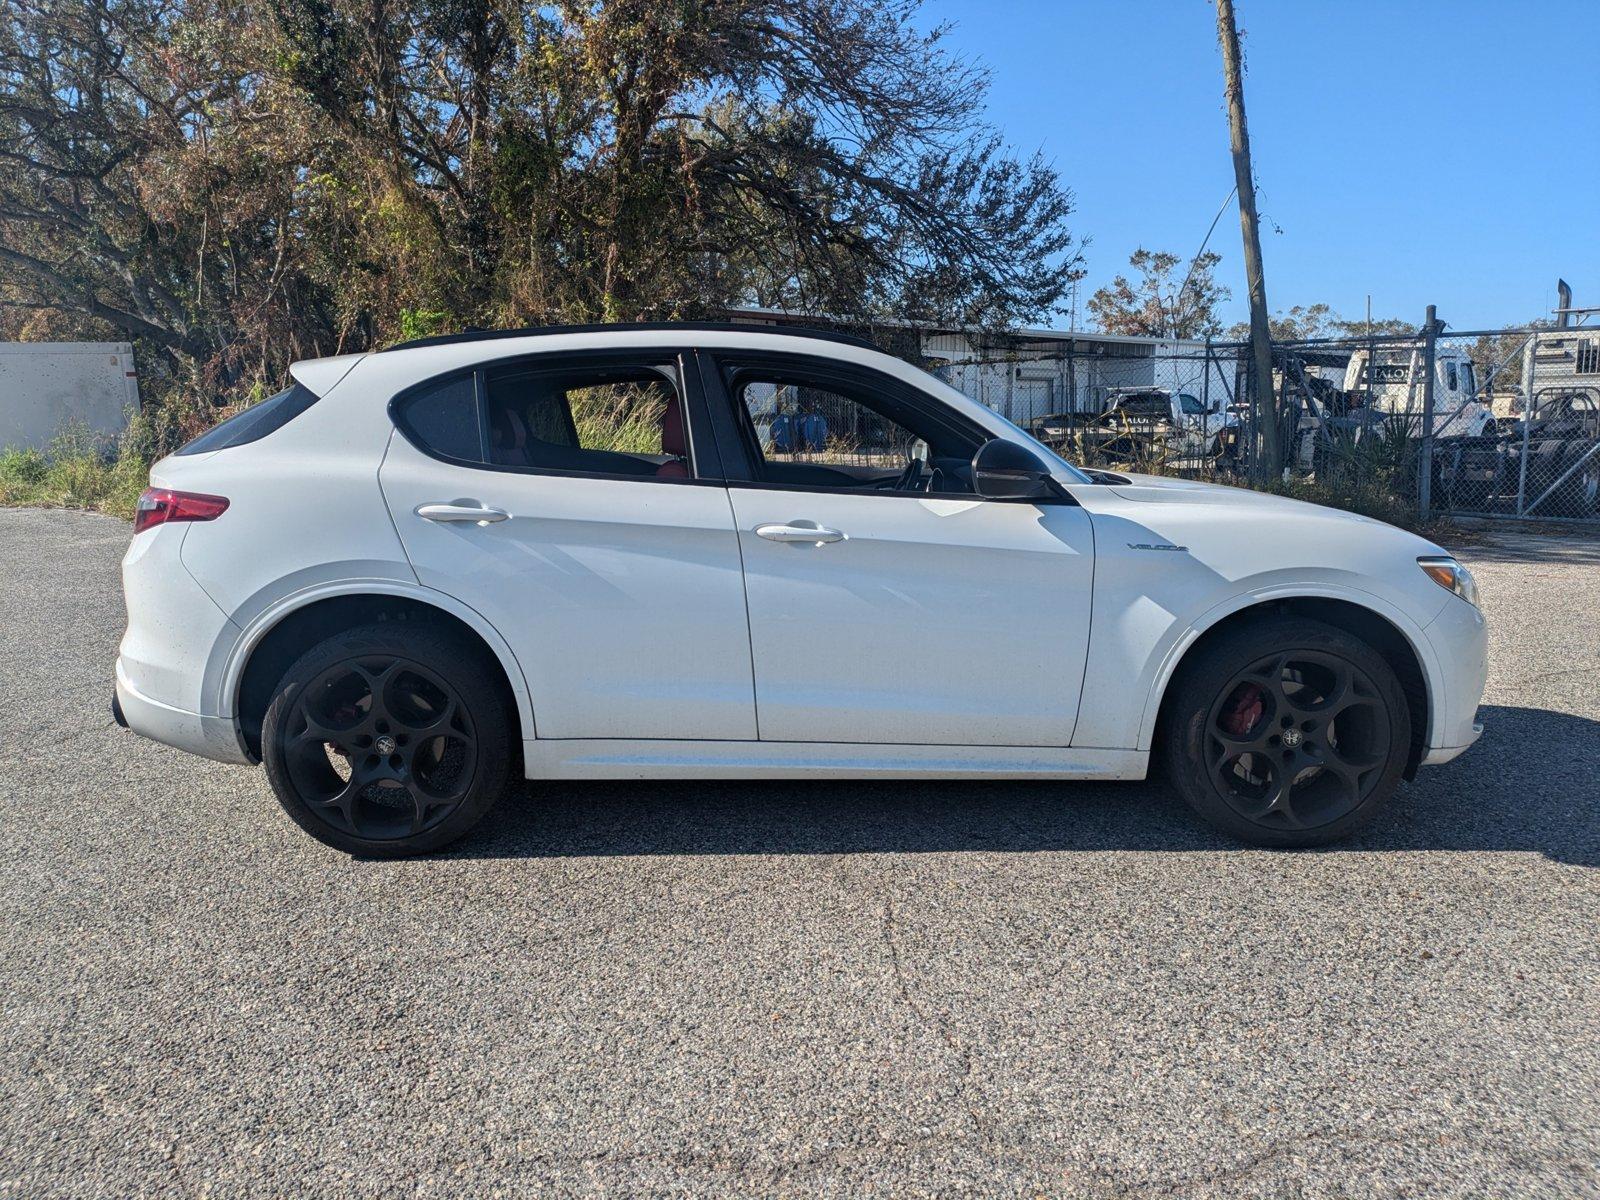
[48,386]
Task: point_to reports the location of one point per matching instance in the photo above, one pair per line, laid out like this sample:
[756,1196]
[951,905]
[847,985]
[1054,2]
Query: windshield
[1146,404]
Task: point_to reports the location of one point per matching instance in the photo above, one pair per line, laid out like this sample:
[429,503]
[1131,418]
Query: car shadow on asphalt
[1531,784]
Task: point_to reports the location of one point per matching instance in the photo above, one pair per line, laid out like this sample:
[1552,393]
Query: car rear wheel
[1287,732]
[388,740]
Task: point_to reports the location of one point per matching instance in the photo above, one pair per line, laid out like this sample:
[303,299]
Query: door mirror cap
[1003,470]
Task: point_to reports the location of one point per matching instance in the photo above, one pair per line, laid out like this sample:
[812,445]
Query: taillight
[157,506]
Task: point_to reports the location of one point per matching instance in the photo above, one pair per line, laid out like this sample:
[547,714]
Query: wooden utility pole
[1269,456]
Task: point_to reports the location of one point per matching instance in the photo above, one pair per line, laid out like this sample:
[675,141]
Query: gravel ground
[828,989]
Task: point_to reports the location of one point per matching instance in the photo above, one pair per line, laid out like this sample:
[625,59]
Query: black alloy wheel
[382,746]
[1295,739]
[387,740]
[1287,732]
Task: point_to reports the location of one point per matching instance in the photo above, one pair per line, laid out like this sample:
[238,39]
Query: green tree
[1169,298]
[1312,321]
[239,182]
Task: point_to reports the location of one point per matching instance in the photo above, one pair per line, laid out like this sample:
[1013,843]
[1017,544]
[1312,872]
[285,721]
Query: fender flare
[1432,673]
[231,669]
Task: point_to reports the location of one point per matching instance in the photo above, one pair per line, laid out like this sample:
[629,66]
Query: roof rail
[490,335]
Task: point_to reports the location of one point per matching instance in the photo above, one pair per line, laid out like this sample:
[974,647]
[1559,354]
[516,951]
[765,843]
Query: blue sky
[1418,150]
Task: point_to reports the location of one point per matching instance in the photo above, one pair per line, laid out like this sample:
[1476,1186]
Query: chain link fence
[1490,423]
[1162,407]
[1500,423]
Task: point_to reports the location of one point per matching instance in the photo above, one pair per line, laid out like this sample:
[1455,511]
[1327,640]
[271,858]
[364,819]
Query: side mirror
[1216,407]
[1003,470]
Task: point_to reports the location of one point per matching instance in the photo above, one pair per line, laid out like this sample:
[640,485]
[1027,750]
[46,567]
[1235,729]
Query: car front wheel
[388,740]
[1287,732]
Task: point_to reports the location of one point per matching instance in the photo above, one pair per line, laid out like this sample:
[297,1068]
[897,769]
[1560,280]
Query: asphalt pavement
[793,989]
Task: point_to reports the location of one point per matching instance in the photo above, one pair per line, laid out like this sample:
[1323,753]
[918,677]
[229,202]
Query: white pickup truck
[1140,422]
[1186,417]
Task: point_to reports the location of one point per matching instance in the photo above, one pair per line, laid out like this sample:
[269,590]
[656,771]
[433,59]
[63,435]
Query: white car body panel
[583,579]
[174,631]
[647,632]
[320,374]
[228,669]
[590,758]
[1151,604]
[877,638]
[307,514]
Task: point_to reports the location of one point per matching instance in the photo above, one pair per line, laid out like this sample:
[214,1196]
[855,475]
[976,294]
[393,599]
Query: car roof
[490,335]
[454,350]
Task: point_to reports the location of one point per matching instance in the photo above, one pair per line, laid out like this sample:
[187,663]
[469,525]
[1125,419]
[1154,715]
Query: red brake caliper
[1243,711]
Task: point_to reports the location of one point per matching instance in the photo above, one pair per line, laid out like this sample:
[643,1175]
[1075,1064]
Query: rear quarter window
[255,422]
[443,419]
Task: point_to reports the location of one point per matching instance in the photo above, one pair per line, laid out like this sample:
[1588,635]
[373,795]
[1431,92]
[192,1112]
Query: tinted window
[817,433]
[602,421]
[255,422]
[444,419]
[1191,404]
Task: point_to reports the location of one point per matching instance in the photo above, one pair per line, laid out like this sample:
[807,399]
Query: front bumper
[1443,754]
[1459,640]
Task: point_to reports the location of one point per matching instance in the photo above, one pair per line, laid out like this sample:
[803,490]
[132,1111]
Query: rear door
[918,613]
[573,503]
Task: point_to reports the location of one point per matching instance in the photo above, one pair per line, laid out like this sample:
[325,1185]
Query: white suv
[726,551]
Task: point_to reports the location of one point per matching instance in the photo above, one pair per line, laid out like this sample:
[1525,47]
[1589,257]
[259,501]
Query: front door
[887,603]
[564,506]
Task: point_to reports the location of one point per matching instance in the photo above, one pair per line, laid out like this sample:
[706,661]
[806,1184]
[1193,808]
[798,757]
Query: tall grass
[624,419]
[80,469]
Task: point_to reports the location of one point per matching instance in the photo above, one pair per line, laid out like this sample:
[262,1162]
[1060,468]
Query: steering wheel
[910,479]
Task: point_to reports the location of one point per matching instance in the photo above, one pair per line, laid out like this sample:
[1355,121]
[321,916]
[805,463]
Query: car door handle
[810,532]
[449,513]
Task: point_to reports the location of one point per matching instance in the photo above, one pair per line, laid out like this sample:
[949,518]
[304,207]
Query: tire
[1544,465]
[1580,494]
[1236,706]
[406,776]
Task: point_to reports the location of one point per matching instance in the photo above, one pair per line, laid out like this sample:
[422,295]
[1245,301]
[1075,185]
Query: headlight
[1448,573]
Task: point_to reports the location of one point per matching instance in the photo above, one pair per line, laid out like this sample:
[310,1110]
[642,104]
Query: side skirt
[607,758]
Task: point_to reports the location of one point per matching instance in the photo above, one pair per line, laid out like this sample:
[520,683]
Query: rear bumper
[210,737]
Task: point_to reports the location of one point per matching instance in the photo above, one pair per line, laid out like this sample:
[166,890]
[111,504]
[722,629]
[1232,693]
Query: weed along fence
[1493,423]
[1501,423]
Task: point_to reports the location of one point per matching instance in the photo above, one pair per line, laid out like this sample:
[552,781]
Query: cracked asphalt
[826,989]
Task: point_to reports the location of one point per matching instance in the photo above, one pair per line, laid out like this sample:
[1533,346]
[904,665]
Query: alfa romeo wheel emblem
[385,745]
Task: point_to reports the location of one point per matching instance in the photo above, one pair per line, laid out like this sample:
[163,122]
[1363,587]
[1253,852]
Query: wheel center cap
[1292,738]
[385,744]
